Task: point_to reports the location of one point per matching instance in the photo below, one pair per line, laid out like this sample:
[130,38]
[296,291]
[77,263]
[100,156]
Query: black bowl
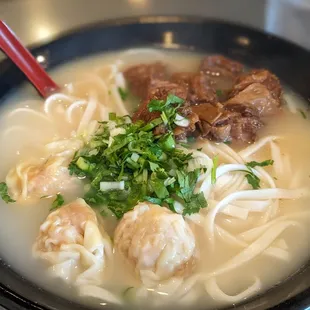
[251,47]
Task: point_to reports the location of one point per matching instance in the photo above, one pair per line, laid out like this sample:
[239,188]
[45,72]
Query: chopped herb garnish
[213,171]
[196,203]
[303,114]
[228,142]
[151,168]
[168,109]
[219,92]
[58,202]
[123,93]
[4,193]
[252,164]
[253,179]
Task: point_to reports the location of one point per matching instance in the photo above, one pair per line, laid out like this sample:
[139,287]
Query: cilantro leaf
[159,187]
[303,114]
[4,193]
[123,93]
[253,180]
[58,202]
[162,105]
[196,203]
[172,99]
[219,92]
[253,164]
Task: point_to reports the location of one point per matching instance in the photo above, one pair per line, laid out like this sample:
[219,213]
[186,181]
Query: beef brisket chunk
[199,86]
[158,90]
[217,64]
[222,73]
[261,76]
[221,102]
[258,89]
[139,77]
[258,97]
[219,124]
[244,129]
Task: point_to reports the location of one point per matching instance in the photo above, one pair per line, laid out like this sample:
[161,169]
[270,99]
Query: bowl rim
[156,19]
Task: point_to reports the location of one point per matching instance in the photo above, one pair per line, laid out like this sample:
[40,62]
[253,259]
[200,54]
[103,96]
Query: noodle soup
[250,233]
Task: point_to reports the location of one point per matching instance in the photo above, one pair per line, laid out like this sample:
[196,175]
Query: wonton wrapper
[46,176]
[72,244]
[37,179]
[157,242]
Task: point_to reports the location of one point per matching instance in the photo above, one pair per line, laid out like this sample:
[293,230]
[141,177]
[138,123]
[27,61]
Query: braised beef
[261,76]
[158,90]
[222,73]
[221,102]
[244,110]
[258,89]
[257,96]
[182,132]
[218,64]
[139,77]
[160,130]
[182,78]
[220,133]
[208,113]
[219,124]
[201,90]
[198,85]
[244,129]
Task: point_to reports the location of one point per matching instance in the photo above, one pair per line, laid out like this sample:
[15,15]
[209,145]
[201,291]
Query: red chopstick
[22,58]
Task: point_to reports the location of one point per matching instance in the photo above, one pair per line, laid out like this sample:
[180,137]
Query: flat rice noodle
[253,206]
[216,293]
[89,112]
[30,111]
[278,253]
[120,80]
[211,148]
[57,99]
[109,72]
[64,147]
[256,248]
[231,210]
[273,251]
[255,147]
[237,183]
[120,107]
[99,293]
[254,233]
[228,150]
[273,193]
[75,105]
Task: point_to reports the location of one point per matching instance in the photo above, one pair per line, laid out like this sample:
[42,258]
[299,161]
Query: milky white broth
[19,224]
